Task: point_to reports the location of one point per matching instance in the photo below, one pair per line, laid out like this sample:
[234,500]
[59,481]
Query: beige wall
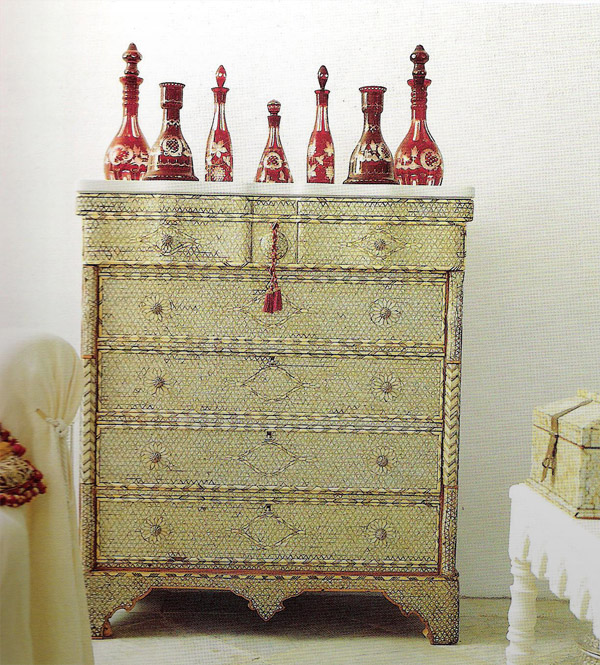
[513,107]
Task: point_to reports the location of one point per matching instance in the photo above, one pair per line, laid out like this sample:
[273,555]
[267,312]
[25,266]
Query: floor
[211,628]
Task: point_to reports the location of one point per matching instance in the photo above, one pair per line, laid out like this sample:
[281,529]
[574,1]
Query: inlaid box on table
[270,454]
[566,436]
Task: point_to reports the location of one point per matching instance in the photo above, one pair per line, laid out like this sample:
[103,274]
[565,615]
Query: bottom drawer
[263,534]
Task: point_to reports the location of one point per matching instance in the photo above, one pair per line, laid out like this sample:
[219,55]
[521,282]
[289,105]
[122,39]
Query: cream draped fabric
[43,619]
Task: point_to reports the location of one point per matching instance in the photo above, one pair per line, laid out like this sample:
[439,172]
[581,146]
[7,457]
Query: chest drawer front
[270,459]
[191,303]
[125,238]
[277,384]
[425,246]
[267,534]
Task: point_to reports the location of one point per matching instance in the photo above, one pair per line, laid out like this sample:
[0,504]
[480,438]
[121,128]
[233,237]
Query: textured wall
[513,107]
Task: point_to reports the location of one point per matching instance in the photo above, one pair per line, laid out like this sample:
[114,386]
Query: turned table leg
[522,614]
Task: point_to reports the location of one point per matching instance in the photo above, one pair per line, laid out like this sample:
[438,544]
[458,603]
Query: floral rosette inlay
[383,460]
[154,456]
[379,533]
[156,309]
[386,387]
[153,529]
[384,312]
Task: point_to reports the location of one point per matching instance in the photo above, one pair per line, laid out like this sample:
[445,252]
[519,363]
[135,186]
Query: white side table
[547,543]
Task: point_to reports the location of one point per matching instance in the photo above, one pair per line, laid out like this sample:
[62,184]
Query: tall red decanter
[219,158]
[418,159]
[273,165]
[170,156]
[371,161]
[127,155]
[320,165]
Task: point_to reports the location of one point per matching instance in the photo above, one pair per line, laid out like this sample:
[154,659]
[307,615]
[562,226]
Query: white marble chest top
[274,189]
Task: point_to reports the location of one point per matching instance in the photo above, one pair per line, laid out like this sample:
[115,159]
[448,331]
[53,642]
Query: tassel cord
[273,301]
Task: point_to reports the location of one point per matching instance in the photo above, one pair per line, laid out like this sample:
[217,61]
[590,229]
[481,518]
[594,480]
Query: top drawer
[424,246]
[235,230]
[164,240]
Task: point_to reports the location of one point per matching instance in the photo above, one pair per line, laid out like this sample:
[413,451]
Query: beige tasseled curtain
[43,611]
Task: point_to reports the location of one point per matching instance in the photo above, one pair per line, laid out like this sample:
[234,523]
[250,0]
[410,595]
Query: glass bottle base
[361,180]
[170,177]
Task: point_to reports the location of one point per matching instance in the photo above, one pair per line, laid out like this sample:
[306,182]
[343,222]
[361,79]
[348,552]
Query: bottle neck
[372,123]
[322,117]
[273,140]
[418,99]
[131,94]
[219,121]
[130,107]
[170,115]
[220,95]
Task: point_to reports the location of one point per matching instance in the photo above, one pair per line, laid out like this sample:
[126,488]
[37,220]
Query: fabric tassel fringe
[20,481]
[268,306]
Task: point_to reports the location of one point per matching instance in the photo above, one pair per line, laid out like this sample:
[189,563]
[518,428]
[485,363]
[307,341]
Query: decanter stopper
[322,76]
[418,160]
[219,158]
[127,156]
[320,165]
[371,161]
[170,156]
[273,166]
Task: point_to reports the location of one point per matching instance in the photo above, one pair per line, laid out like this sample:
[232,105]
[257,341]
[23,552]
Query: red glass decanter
[418,159]
[127,155]
[371,161]
[219,158]
[170,156]
[320,158]
[273,165]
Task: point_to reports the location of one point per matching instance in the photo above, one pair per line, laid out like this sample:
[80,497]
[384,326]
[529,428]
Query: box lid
[581,422]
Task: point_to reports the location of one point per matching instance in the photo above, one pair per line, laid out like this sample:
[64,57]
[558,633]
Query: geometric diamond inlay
[269,530]
[272,382]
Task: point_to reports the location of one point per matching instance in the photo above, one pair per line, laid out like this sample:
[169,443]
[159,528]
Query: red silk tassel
[273,302]
[268,306]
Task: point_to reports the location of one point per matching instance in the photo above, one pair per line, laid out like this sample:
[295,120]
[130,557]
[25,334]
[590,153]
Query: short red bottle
[371,161]
[219,158]
[127,155]
[273,165]
[418,160]
[320,165]
[170,157]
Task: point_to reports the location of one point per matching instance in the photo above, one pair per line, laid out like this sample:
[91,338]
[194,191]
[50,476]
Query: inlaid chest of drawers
[313,449]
